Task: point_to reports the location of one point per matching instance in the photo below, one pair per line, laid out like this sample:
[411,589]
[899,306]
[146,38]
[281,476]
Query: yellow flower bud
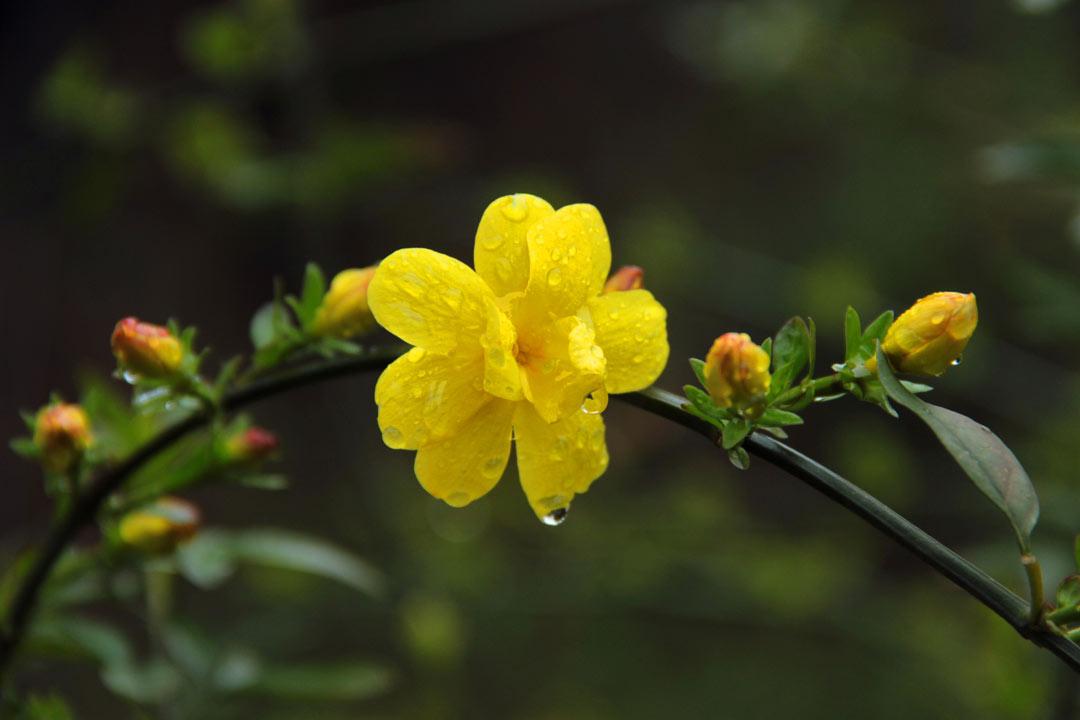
[160,527]
[145,349]
[628,277]
[931,334]
[62,435]
[737,374]
[344,312]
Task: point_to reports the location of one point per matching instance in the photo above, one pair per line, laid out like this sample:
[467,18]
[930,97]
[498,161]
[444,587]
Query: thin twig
[969,578]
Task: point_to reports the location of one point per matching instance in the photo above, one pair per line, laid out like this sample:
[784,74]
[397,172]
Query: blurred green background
[759,158]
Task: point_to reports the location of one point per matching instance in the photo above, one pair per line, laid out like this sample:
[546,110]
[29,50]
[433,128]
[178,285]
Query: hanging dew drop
[555,517]
[959,359]
[516,209]
[129,377]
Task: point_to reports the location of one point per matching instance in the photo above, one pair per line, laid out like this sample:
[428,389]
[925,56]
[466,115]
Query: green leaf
[876,330]
[989,463]
[46,707]
[208,559]
[312,294]
[916,387]
[1068,592]
[146,682]
[734,432]
[1076,550]
[80,637]
[852,334]
[292,551]
[265,482]
[811,346]
[766,345]
[24,447]
[338,681]
[739,458]
[791,351]
[698,366]
[775,417]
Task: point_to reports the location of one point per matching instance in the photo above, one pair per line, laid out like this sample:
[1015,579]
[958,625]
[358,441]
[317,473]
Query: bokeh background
[758,158]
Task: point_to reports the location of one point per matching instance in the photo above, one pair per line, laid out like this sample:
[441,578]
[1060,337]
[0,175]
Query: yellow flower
[737,373]
[344,312]
[931,334]
[159,527]
[62,435]
[145,349]
[524,347]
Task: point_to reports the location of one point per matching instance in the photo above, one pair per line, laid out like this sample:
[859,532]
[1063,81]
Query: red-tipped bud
[628,277]
[145,349]
[62,434]
[251,445]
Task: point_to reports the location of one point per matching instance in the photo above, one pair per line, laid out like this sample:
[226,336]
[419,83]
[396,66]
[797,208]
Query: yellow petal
[501,254]
[561,364]
[569,259]
[424,397]
[556,461]
[429,299]
[464,467]
[631,328]
[502,377]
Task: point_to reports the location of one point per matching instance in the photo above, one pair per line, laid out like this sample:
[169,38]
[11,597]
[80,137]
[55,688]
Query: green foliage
[214,556]
[989,463]
[792,352]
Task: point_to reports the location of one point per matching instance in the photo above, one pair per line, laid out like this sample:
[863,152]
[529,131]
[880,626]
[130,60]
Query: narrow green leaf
[698,366]
[852,333]
[916,387]
[734,432]
[46,707]
[24,447]
[1076,550]
[775,417]
[266,324]
[766,345]
[341,681]
[739,458]
[151,682]
[989,463]
[811,346]
[312,294]
[828,398]
[877,329]
[292,551]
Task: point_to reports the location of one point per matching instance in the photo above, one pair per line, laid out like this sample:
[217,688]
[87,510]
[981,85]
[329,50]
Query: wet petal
[501,254]
[556,461]
[569,259]
[466,466]
[429,299]
[424,397]
[561,365]
[502,377]
[631,327]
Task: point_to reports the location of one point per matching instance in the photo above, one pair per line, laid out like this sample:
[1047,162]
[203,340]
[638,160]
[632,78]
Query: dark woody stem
[969,578]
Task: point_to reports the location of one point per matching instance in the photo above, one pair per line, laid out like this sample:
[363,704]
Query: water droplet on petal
[493,467]
[554,277]
[492,241]
[503,269]
[555,517]
[392,437]
[452,297]
[517,209]
[638,359]
[457,499]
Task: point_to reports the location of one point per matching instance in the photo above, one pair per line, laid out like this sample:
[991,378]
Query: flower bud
[628,277]
[62,435]
[931,334]
[737,374]
[344,312]
[145,349]
[161,526]
[251,445]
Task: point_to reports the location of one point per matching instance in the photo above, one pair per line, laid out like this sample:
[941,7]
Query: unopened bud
[344,312]
[251,445]
[931,334]
[737,374]
[62,435]
[628,277]
[145,349]
[158,528]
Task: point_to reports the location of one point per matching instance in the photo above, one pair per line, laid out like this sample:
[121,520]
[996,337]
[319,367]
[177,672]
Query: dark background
[759,159]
